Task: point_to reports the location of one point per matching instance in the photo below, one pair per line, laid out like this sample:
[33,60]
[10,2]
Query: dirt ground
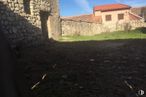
[86,69]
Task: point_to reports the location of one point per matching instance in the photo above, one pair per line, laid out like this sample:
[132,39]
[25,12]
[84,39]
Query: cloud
[84,4]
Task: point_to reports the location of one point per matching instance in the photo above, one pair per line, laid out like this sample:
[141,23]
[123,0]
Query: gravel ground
[86,69]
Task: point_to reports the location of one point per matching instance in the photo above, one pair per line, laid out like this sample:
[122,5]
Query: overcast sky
[78,7]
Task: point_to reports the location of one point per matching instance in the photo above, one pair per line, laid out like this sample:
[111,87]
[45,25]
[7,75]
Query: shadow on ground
[87,69]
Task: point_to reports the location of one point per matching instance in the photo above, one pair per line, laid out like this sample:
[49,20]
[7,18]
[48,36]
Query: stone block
[20,1]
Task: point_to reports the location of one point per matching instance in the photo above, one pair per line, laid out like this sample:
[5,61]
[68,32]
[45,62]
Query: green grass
[134,34]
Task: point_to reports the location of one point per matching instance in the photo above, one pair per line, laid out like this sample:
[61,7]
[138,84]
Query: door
[44,25]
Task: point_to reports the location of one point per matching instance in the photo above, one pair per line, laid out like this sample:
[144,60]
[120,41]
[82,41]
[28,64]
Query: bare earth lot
[87,69]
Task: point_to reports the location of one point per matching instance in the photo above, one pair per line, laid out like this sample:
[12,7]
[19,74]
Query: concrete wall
[22,27]
[70,27]
[114,16]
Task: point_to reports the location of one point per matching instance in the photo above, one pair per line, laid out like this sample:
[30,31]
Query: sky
[79,7]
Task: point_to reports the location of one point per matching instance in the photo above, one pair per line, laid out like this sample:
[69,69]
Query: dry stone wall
[71,28]
[26,21]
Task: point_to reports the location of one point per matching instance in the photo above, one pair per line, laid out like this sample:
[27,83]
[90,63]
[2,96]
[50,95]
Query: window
[108,18]
[26,6]
[120,16]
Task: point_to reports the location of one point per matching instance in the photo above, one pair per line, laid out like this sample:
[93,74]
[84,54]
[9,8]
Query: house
[141,11]
[104,19]
[115,13]
[109,13]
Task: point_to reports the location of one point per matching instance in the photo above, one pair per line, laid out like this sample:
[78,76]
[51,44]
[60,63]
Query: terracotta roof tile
[134,17]
[85,18]
[110,7]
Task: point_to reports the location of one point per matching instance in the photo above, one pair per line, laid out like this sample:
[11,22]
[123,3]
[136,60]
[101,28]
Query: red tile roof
[85,18]
[110,7]
[96,19]
[133,16]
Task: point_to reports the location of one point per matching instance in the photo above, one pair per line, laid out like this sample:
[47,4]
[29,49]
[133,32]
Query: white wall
[114,16]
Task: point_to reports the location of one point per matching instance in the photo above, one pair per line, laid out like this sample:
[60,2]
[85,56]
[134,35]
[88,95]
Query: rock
[81,87]
[107,61]
[92,60]
[54,66]
[64,76]
[14,30]
[76,84]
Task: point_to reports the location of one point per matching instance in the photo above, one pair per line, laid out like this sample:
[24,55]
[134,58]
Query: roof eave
[112,9]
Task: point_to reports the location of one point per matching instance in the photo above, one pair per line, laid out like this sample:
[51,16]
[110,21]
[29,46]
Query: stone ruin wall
[81,28]
[20,20]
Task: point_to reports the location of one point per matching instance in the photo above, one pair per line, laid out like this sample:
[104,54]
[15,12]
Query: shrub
[142,29]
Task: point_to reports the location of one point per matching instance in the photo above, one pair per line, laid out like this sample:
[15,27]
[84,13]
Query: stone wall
[70,27]
[29,21]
